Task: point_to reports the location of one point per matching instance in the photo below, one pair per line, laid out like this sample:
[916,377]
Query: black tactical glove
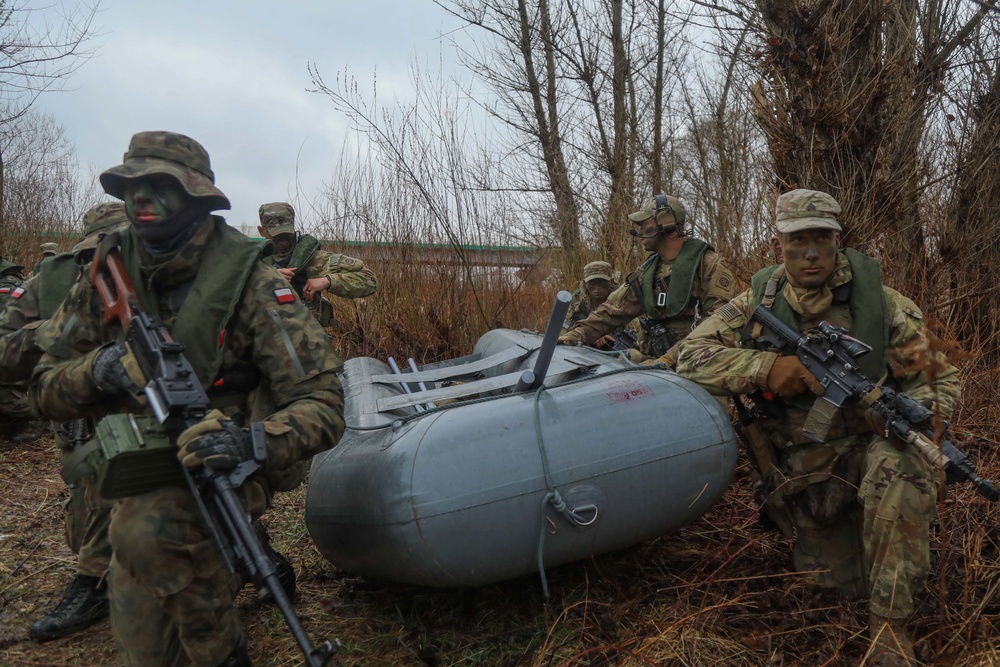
[216,442]
[116,370]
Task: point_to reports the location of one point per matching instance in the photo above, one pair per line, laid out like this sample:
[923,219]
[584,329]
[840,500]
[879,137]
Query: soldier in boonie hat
[49,249]
[172,154]
[806,209]
[104,218]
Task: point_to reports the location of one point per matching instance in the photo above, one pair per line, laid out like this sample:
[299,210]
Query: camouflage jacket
[713,286]
[23,315]
[349,277]
[713,357]
[11,278]
[579,308]
[269,331]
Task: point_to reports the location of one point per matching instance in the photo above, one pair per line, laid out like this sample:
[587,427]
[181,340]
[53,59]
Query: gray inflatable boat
[521,456]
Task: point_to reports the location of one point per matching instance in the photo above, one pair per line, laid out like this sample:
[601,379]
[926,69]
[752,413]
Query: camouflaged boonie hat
[597,270]
[104,218]
[277,218]
[172,154]
[659,204]
[806,209]
[49,248]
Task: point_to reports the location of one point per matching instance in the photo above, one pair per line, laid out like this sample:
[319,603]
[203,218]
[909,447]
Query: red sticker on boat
[628,391]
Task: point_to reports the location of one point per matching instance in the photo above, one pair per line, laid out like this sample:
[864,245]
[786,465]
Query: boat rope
[553,497]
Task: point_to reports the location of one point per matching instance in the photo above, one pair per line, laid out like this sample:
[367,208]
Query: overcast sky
[233,75]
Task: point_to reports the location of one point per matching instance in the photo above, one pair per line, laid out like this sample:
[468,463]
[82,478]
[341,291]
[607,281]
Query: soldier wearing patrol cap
[592,291]
[859,506]
[682,280]
[170,590]
[48,250]
[85,600]
[310,269]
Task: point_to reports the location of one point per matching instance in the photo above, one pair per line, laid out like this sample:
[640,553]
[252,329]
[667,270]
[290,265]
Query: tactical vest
[213,297]
[57,274]
[681,280]
[863,298]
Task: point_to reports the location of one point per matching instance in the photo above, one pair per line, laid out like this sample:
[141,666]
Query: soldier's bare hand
[314,286]
[287,273]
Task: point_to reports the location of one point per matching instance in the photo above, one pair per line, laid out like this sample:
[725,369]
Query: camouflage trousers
[881,544]
[171,592]
[88,516]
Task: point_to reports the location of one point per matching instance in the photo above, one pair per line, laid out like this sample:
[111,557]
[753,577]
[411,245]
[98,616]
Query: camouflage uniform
[711,285]
[171,593]
[87,514]
[15,410]
[878,543]
[582,305]
[349,277]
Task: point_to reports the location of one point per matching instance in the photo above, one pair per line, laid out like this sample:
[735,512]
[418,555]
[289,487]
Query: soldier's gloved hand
[788,378]
[216,442]
[567,340]
[665,360]
[116,370]
[635,356]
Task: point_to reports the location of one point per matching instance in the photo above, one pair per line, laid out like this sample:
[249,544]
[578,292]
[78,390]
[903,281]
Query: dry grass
[720,592]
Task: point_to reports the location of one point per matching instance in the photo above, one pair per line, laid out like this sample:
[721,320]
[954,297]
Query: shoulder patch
[729,313]
[5,289]
[908,306]
[16,293]
[284,295]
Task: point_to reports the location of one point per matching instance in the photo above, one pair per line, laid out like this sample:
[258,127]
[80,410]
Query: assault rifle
[831,358]
[178,401]
[659,338]
[624,341]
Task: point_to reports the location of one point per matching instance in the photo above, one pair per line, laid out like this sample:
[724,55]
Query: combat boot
[84,602]
[891,645]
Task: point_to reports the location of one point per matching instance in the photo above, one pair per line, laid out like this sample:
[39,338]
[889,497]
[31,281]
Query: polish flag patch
[5,290]
[16,294]
[284,295]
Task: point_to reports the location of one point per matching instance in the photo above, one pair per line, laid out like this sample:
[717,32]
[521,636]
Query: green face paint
[152,199]
[810,256]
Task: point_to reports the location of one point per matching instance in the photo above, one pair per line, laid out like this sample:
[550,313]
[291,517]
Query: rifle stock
[830,356]
[179,401]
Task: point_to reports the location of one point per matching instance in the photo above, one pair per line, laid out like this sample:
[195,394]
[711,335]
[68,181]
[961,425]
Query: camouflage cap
[104,218]
[49,248]
[659,203]
[167,153]
[597,270]
[277,218]
[806,209]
